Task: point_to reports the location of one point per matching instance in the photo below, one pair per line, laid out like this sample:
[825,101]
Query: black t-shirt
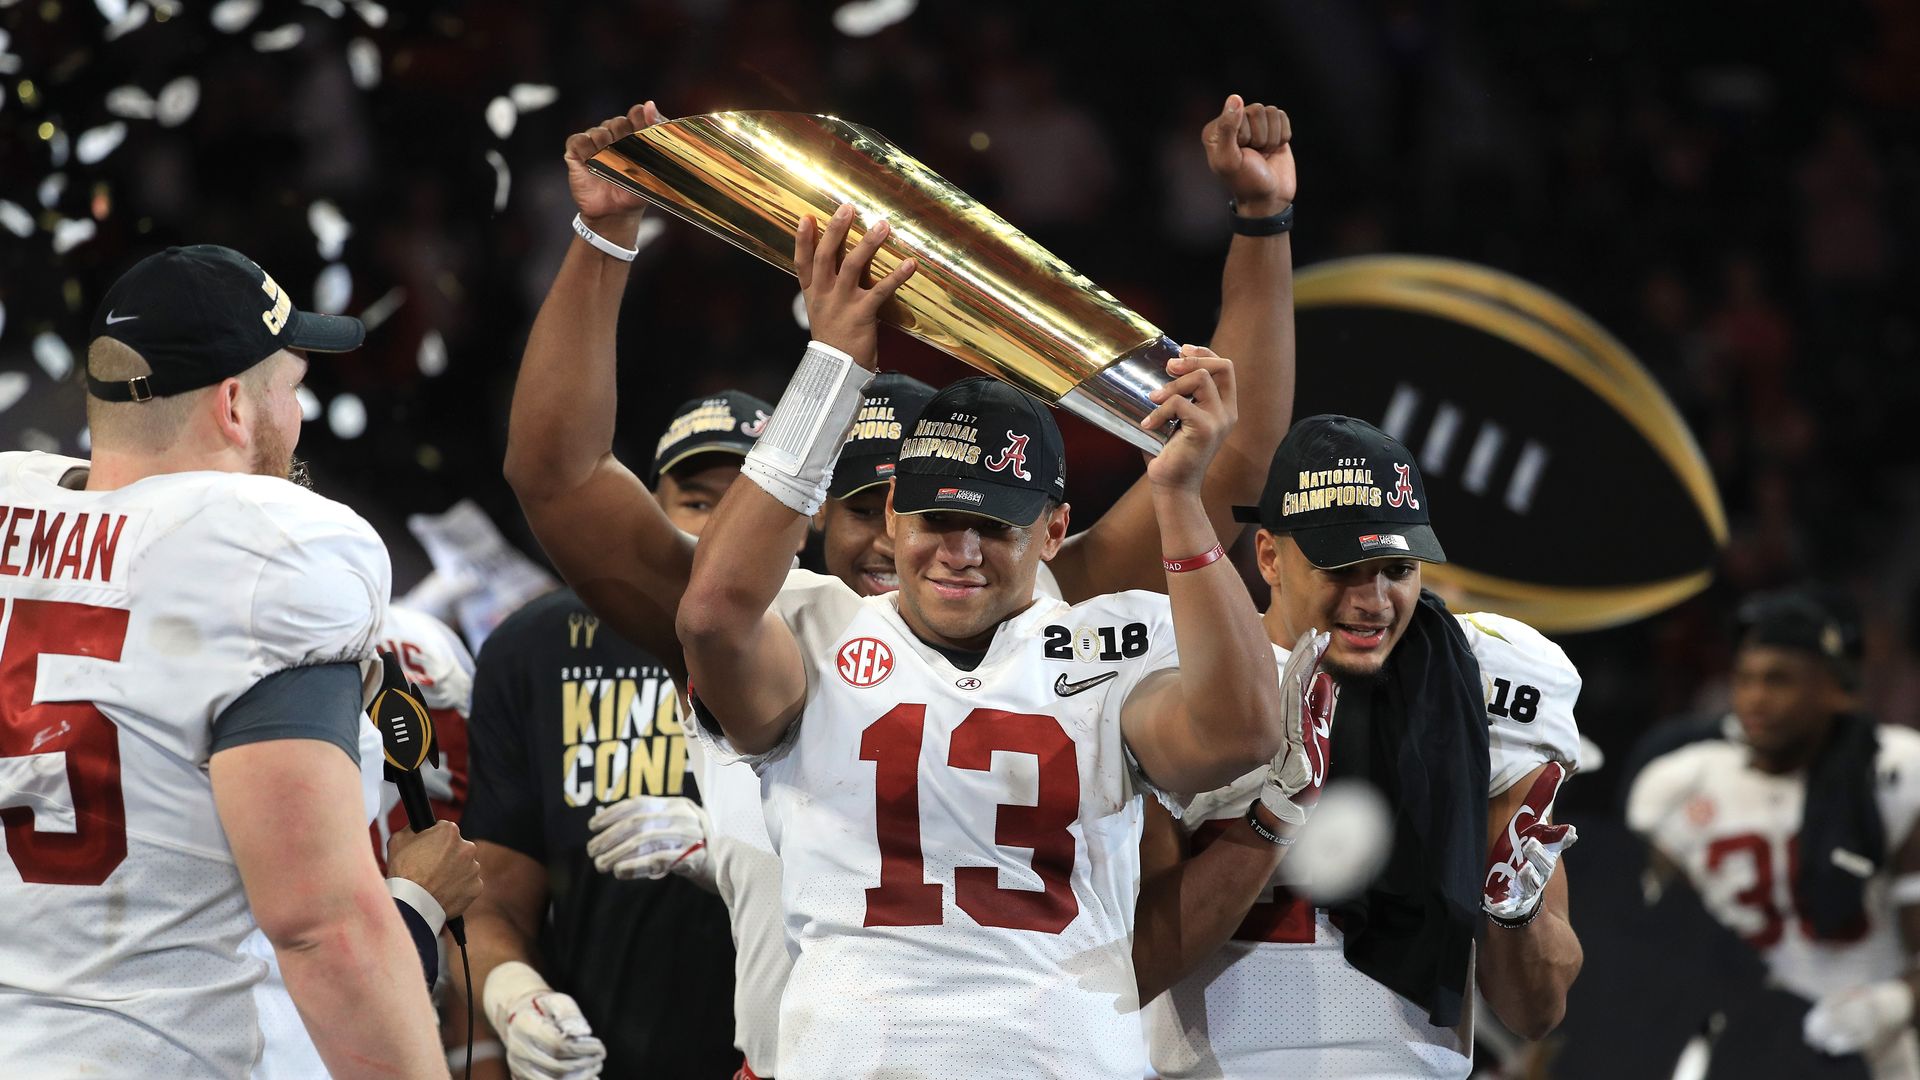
[569,717]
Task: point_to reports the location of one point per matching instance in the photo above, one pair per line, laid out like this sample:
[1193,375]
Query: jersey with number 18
[959,845]
[132,619]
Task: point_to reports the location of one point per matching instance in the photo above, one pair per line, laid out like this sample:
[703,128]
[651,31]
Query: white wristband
[623,254]
[793,458]
[505,986]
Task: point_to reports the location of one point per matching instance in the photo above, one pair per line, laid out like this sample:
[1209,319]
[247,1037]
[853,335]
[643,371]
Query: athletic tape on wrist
[793,458]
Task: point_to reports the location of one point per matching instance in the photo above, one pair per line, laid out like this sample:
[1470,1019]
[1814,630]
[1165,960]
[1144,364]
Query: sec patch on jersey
[1565,486]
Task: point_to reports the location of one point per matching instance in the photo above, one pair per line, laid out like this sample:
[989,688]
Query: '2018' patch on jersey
[864,662]
[1518,703]
[1096,644]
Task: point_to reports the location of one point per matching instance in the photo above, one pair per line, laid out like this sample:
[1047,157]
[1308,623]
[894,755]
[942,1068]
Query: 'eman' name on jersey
[32,544]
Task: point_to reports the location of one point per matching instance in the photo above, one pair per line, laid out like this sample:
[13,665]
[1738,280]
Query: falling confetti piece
[15,219]
[382,309]
[13,387]
[51,353]
[9,65]
[134,19]
[650,230]
[800,311]
[111,10]
[332,9]
[50,188]
[329,227]
[333,289]
[433,354]
[58,148]
[371,13]
[347,416]
[130,102]
[71,233]
[232,16]
[363,59]
[501,116]
[177,101]
[532,97]
[864,18]
[502,179]
[35,439]
[309,404]
[279,39]
[96,143]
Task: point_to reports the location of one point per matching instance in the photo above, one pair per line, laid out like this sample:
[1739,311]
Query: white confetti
[50,188]
[9,65]
[309,403]
[371,13]
[279,39]
[35,439]
[532,97]
[96,143]
[332,9]
[130,102]
[363,59]
[433,354]
[333,289]
[58,147]
[347,416]
[1348,845]
[5,38]
[15,219]
[84,440]
[13,387]
[177,101]
[134,19]
[502,179]
[71,233]
[232,16]
[382,309]
[864,18]
[800,311]
[651,229]
[111,10]
[51,353]
[329,227]
[501,116]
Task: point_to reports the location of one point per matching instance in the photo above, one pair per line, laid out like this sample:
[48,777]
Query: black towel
[1843,815]
[1419,735]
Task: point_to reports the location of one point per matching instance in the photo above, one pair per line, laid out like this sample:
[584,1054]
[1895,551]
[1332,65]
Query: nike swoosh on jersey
[1067,689]
[112,318]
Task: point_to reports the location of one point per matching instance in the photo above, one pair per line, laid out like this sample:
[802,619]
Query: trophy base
[1114,399]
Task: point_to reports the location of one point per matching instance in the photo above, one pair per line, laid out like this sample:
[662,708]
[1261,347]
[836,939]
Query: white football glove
[651,836]
[545,1036]
[1526,854]
[1861,1019]
[1307,695]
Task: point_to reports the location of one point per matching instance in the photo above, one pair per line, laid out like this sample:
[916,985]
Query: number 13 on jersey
[904,897]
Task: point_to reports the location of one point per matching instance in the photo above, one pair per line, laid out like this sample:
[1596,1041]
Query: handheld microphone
[406,740]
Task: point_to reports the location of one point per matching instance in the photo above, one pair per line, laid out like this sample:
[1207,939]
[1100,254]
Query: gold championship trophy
[983,293]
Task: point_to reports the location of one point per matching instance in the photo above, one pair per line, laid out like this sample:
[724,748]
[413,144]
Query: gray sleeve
[321,701]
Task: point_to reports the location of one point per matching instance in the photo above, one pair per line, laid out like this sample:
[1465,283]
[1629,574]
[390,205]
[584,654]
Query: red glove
[1525,855]
[1299,771]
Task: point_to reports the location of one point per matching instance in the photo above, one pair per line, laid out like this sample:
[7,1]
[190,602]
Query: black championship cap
[893,403]
[1346,492]
[724,423]
[981,447]
[200,314]
[1823,622]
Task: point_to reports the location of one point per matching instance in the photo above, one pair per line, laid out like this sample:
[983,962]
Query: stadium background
[1729,188]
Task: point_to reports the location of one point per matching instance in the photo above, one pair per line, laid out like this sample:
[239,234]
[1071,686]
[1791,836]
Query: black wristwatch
[1260,226]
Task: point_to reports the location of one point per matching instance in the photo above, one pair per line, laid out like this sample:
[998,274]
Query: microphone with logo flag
[406,738]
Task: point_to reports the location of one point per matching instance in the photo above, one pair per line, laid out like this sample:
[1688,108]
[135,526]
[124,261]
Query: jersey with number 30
[960,848]
[1280,999]
[133,618]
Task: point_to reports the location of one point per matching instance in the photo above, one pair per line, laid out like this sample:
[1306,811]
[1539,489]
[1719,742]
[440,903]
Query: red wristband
[1180,566]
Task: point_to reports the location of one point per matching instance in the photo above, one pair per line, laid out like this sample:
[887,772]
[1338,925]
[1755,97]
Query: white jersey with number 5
[132,619]
[1280,999]
[960,848]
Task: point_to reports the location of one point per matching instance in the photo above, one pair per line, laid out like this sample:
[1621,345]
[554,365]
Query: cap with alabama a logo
[981,447]
[1346,492]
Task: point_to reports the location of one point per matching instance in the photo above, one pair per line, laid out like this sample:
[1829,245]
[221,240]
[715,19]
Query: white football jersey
[960,849]
[1734,831]
[133,618]
[1280,999]
[438,663]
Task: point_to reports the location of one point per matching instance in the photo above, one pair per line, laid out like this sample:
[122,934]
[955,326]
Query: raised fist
[1248,149]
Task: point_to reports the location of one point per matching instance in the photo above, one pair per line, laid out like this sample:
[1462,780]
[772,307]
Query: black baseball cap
[1821,621]
[1346,492]
[894,402]
[724,423]
[981,447]
[204,313]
